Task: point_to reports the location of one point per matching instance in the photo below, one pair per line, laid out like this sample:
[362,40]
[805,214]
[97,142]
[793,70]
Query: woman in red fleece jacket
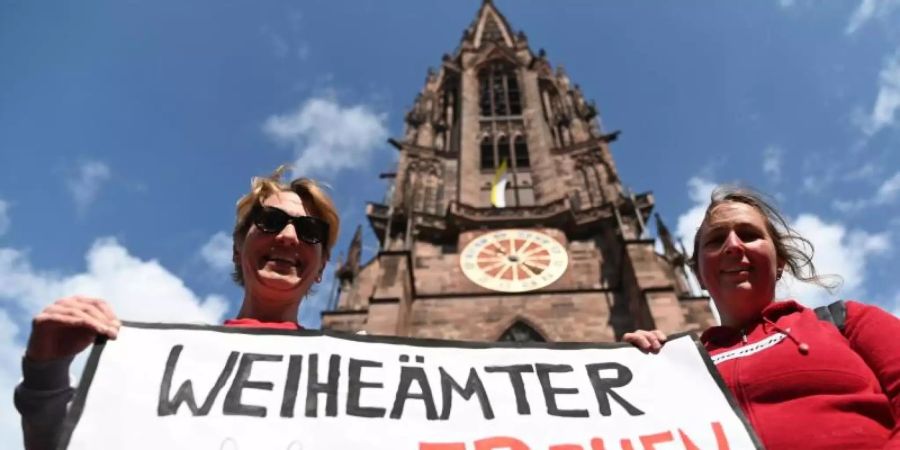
[283,235]
[801,382]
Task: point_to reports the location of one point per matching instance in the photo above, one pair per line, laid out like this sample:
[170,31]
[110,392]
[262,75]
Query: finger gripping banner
[208,387]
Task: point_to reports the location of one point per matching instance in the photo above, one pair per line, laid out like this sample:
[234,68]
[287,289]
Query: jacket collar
[722,335]
[255,323]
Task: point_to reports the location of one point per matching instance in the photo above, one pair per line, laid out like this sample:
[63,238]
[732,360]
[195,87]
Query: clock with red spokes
[514,260]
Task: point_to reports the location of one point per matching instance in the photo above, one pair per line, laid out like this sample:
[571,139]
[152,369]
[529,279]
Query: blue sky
[128,129]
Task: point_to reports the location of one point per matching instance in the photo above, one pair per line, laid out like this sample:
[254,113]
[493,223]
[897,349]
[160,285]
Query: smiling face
[737,261]
[279,268]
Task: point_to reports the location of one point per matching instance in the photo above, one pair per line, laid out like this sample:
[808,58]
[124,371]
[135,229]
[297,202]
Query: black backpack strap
[835,313]
[839,314]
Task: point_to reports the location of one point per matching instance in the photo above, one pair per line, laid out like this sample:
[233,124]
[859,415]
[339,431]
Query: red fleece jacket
[253,323]
[843,392]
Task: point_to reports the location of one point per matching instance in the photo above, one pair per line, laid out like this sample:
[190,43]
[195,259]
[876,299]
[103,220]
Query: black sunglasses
[311,230]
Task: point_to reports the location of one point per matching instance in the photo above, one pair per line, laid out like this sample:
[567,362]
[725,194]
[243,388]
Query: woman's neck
[743,323]
[748,314]
[264,312]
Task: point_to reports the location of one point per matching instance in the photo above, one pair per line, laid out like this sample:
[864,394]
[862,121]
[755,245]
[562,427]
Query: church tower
[506,218]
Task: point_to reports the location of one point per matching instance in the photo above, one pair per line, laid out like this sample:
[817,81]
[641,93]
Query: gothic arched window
[503,151]
[487,153]
[432,193]
[422,187]
[500,94]
[516,156]
[592,182]
[521,152]
[415,199]
[521,332]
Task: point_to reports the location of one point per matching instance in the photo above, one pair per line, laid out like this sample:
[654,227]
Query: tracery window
[503,151]
[500,94]
[487,153]
[423,188]
[520,148]
[592,180]
[494,152]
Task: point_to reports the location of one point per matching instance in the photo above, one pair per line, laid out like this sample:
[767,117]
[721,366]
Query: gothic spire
[670,251]
[489,26]
[350,267]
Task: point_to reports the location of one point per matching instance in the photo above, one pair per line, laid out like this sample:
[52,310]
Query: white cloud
[303,50]
[278,44]
[137,290]
[864,172]
[772,163]
[868,10]
[798,5]
[861,15]
[5,222]
[849,206]
[218,251]
[699,191]
[887,193]
[85,184]
[822,179]
[328,137]
[279,38]
[887,103]
[838,251]
[811,184]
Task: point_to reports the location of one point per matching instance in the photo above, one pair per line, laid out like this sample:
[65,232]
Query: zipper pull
[744,337]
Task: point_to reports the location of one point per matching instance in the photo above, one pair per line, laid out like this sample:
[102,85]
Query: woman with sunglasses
[802,382]
[283,235]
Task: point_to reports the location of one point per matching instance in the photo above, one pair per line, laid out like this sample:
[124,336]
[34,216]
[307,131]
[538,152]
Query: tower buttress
[349,268]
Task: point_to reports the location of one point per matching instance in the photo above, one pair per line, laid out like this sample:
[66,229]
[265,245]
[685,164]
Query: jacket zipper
[742,398]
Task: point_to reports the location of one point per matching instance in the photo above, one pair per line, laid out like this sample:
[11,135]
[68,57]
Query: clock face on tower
[514,260]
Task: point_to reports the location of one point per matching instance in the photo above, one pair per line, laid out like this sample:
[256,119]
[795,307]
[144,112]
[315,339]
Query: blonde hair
[315,200]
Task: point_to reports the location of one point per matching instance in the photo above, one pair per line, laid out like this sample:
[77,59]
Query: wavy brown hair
[795,250]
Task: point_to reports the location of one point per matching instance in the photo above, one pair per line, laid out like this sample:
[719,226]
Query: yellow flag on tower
[498,187]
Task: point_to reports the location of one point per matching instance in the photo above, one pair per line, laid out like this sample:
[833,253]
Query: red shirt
[842,393]
[253,323]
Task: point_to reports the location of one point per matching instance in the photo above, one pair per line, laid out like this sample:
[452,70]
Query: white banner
[162,386]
